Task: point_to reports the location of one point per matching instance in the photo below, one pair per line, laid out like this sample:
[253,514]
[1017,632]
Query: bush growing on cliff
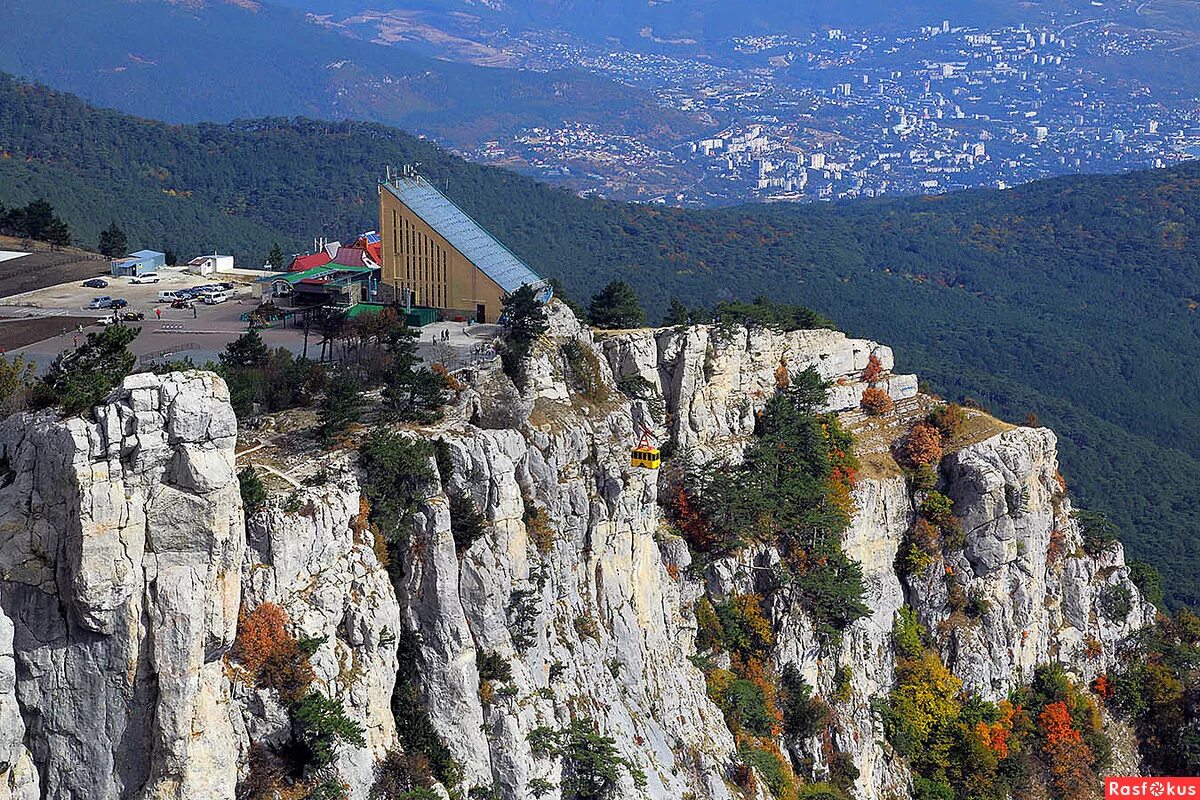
[876,402]
[397,473]
[418,737]
[921,447]
[80,379]
[591,763]
[1097,531]
[1155,689]
[949,419]
[764,313]
[803,714]
[466,522]
[254,494]
[525,319]
[276,660]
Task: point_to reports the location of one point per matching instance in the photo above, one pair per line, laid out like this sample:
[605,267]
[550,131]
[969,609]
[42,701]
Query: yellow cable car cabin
[645,456]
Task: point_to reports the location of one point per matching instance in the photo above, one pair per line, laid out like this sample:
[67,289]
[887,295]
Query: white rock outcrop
[125,561]
[120,559]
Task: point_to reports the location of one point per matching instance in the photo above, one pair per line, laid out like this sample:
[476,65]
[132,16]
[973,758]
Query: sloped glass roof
[463,233]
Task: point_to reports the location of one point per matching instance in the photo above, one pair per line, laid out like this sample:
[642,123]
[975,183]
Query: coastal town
[839,114]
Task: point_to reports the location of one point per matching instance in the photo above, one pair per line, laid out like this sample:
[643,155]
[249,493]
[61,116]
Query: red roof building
[301,263]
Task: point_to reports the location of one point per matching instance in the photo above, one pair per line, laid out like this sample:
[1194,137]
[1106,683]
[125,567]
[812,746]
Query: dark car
[96,283]
[119,303]
[182,302]
[132,316]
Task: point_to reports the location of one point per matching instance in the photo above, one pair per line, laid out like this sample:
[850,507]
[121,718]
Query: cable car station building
[434,255]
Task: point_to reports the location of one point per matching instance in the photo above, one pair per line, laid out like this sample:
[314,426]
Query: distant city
[841,114]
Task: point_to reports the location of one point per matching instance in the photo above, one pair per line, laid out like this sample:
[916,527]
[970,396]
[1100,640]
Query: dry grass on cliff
[874,436]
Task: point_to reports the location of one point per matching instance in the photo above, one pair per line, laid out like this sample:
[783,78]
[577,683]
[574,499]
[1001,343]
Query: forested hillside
[1074,299]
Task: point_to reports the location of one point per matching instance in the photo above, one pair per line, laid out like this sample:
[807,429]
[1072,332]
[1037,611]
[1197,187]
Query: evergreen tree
[275,257]
[248,350]
[677,313]
[616,306]
[341,406]
[526,320]
[37,220]
[80,379]
[113,242]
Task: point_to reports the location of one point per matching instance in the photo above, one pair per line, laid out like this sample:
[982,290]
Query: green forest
[1073,299]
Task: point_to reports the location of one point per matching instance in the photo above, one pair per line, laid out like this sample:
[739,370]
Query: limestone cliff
[125,560]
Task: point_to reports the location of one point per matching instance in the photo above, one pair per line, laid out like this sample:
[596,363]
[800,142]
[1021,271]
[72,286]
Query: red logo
[1151,787]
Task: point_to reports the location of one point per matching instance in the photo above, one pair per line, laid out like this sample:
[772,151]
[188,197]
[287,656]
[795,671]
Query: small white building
[207,265]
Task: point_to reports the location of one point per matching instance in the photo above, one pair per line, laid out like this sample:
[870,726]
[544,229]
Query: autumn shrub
[873,369]
[949,420]
[876,402]
[922,446]
[745,630]
[537,525]
[276,660]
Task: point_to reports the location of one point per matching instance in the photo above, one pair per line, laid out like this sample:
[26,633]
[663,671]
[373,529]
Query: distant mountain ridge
[1074,298]
[190,61]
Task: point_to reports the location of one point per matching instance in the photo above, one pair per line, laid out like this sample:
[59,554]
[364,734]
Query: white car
[146,277]
[108,319]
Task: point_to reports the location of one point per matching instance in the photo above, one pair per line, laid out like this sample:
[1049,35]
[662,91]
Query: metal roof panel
[463,233]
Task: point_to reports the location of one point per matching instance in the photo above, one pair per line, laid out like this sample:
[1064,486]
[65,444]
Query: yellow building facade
[440,257]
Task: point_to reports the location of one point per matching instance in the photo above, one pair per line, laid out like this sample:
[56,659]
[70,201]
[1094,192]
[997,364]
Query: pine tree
[616,306]
[526,319]
[677,313]
[248,350]
[80,379]
[275,257]
[341,407]
[113,242]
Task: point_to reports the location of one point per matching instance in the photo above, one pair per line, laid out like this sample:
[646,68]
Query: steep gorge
[125,564]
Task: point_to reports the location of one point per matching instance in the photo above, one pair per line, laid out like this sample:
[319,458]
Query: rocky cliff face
[124,562]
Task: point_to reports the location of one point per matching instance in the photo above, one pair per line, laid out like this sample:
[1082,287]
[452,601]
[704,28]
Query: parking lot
[73,298]
[40,324]
[61,316]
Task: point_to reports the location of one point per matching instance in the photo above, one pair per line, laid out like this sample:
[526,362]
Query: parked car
[182,302]
[168,296]
[101,302]
[96,283]
[108,319]
[132,316]
[119,303]
[212,298]
[146,277]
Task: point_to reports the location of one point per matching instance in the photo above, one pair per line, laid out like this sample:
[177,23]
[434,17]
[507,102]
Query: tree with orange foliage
[272,656]
[783,378]
[922,446]
[876,402]
[1070,762]
[873,370]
